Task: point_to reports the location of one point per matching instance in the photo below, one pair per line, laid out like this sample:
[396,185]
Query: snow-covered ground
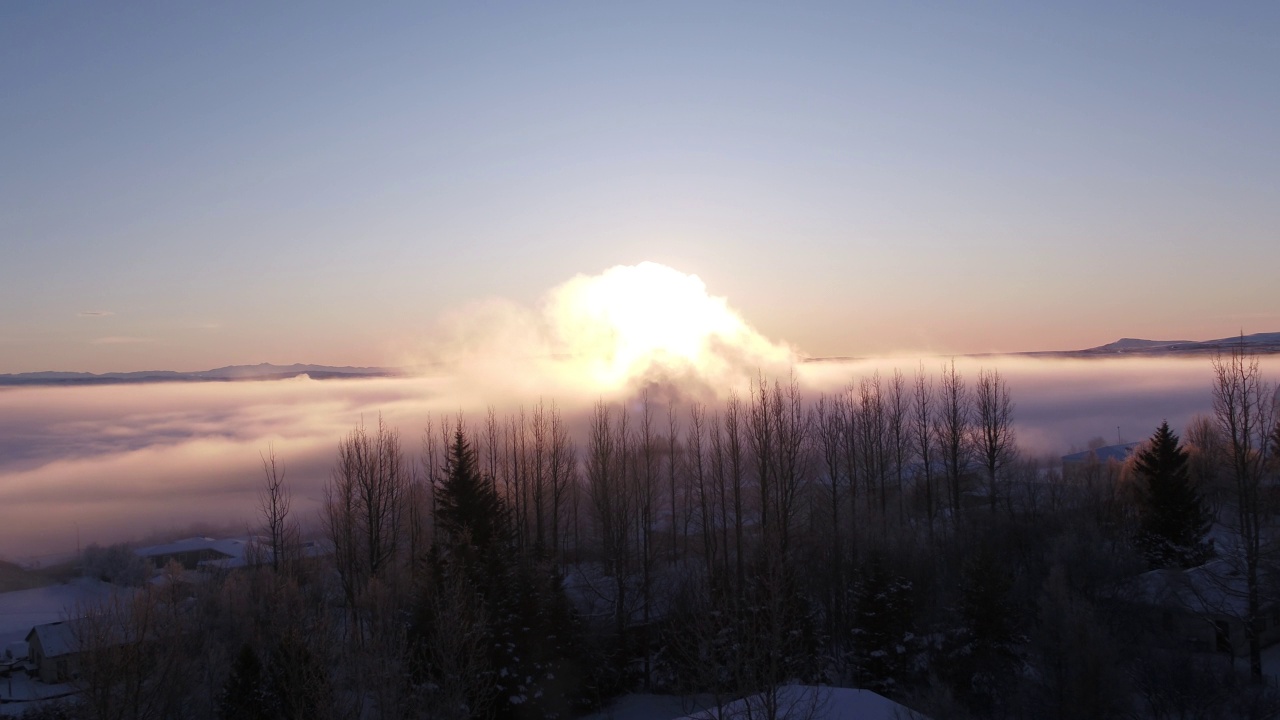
[643,706]
[21,610]
[794,702]
[18,693]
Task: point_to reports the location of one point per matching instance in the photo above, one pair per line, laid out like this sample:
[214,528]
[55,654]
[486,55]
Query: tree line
[889,535]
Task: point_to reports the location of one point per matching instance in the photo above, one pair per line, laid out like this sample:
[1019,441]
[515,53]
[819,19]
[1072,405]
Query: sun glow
[632,321]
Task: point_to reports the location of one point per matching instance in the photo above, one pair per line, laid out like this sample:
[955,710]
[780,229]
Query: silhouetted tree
[469,511]
[995,434]
[245,695]
[1173,517]
[1244,406]
[883,641]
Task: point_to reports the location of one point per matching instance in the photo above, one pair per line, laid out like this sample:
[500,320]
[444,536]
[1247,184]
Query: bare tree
[996,437]
[612,504]
[673,430]
[923,421]
[1244,406]
[274,500]
[898,405]
[538,457]
[828,425]
[847,404]
[364,503]
[873,439]
[562,463]
[647,494]
[702,484]
[792,457]
[735,470]
[953,431]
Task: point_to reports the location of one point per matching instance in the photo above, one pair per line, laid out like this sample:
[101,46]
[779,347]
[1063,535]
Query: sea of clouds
[119,462]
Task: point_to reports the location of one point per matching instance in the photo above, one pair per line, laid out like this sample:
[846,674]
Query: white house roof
[820,703]
[231,548]
[56,639]
[1219,587]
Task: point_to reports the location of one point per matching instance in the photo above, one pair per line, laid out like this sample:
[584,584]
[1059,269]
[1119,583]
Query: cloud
[94,313]
[122,461]
[120,340]
[627,327]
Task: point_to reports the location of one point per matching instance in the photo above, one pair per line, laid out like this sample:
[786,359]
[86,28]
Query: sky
[190,185]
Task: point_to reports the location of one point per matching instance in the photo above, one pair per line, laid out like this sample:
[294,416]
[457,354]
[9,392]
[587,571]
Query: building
[1204,608]
[53,650]
[192,553]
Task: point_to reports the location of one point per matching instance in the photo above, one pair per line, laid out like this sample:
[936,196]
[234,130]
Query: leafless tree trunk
[923,421]
[705,493]
[1244,406]
[562,464]
[673,430]
[847,402]
[873,441]
[647,492]
[828,424]
[433,446]
[735,466]
[492,445]
[954,429]
[791,458]
[996,437]
[274,500]
[899,434]
[541,429]
[611,502]
[364,503]
[517,475]
[763,442]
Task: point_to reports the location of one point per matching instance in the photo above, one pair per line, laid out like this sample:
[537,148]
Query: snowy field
[22,609]
[794,702]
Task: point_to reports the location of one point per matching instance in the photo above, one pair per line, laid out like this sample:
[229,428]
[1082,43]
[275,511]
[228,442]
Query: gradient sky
[187,185]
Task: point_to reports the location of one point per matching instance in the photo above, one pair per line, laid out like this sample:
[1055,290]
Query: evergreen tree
[516,604]
[468,509]
[299,683]
[1174,519]
[980,656]
[882,638]
[245,695]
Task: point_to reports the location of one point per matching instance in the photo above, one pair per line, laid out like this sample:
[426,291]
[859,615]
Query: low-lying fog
[120,462]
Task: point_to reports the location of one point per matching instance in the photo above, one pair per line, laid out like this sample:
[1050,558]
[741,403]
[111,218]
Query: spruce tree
[1174,519]
[468,509]
[883,641]
[245,695]
[521,610]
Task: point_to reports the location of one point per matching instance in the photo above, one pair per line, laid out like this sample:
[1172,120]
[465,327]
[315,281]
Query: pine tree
[516,602]
[245,695]
[980,656]
[469,510]
[882,638]
[1174,519]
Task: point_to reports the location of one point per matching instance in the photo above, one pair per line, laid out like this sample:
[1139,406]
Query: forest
[890,536]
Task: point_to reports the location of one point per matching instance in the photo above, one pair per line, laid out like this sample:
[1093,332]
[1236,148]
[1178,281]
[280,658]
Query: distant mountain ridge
[1262,343]
[230,373]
